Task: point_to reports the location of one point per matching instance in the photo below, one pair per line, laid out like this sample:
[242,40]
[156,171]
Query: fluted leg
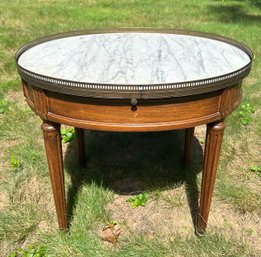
[211,156]
[53,148]
[81,146]
[189,133]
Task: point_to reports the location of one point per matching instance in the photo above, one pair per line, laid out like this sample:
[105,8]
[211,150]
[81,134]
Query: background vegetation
[120,165]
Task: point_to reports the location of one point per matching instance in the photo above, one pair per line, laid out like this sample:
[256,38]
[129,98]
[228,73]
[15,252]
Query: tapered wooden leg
[81,146]
[53,148]
[212,149]
[189,133]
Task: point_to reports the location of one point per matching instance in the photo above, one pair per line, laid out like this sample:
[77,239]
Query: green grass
[11,226]
[214,244]
[120,163]
[240,196]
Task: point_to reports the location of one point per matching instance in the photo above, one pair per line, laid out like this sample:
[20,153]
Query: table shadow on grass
[131,163]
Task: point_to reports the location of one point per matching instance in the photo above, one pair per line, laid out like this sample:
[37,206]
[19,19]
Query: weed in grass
[4,105]
[67,134]
[31,251]
[16,163]
[138,200]
[245,113]
[256,169]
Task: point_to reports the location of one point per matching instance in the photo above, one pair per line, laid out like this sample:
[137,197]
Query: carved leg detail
[53,148]
[189,133]
[81,146]
[212,149]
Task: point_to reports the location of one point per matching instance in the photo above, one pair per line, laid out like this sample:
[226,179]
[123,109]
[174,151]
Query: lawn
[122,164]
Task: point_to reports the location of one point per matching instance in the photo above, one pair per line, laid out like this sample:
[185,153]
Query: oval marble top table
[133,80]
[140,64]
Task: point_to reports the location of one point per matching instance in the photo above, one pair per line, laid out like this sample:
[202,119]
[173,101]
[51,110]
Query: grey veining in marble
[133,58]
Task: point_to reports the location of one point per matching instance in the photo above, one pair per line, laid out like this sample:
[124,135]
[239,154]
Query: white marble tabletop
[133,58]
